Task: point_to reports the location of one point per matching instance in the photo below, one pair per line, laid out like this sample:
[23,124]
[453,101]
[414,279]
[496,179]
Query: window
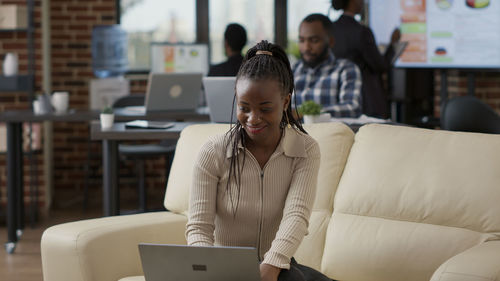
[257,16]
[147,21]
[297,11]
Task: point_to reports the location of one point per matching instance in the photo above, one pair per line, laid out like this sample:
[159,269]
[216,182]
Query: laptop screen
[219,93]
[190,263]
[173,92]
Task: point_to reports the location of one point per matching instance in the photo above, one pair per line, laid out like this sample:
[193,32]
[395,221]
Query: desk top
[28,115]
[89,115]
[119,132]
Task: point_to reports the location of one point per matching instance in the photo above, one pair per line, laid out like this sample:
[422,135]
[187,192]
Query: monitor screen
[441,33]
[179,58]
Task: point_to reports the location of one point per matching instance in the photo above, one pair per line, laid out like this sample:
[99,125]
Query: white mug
[60,101]
[37,107]
[107,121]
[10,64]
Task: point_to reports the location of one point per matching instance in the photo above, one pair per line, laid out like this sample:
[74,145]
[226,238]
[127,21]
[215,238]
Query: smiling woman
[254,186]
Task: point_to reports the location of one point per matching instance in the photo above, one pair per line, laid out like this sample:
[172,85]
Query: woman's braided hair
[264,61]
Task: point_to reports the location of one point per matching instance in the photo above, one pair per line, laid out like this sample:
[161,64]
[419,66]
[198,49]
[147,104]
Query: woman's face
[260,107]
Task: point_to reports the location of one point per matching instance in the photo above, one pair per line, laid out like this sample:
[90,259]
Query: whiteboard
[441,33]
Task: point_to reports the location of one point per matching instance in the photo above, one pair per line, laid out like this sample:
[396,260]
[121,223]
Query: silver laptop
[219,92]
[190,263]
[173,92]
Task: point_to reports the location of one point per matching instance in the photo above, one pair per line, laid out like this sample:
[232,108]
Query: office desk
[110,139]
[15,187]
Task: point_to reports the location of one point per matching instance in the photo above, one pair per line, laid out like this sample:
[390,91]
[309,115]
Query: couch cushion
[105,248]
[190,141]
[310,251]
[409,199]
[335,141]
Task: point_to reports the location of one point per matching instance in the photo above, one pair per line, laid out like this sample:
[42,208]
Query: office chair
[469,114]
[140,152]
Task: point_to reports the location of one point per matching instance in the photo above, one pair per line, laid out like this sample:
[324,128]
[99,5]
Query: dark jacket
[227,68]
[357,43]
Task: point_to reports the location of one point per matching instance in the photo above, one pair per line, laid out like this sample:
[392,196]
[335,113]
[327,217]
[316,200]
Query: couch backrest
[335,140]
[179,182]
[409,199]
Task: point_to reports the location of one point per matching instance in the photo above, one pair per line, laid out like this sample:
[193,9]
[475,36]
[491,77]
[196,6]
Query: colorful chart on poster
[441,33]
[444,4]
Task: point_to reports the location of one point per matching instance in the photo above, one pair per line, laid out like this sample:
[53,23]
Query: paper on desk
[363,119]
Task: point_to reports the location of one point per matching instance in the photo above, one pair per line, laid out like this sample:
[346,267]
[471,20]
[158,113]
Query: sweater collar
[292,144]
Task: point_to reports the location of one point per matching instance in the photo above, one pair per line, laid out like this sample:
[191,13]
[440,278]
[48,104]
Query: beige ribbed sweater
[274,202]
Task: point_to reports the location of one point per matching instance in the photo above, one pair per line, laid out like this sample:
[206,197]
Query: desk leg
[110,178]
[20,182]
[14,182]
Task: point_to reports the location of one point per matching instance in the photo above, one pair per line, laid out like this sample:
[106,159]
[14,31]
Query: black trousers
[299,272]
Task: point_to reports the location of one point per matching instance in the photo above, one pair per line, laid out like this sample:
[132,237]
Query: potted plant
[310,110]
[107,118]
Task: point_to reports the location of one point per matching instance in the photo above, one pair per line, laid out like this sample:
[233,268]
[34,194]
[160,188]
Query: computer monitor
[179,58]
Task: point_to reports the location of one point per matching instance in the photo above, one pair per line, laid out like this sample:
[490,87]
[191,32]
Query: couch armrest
[479,263]
[105,248]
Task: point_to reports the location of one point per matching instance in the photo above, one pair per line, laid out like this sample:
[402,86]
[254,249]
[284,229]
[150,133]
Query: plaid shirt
[335,84]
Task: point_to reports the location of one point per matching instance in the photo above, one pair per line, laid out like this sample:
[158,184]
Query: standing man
[357,43]
[319,76]
[235,38]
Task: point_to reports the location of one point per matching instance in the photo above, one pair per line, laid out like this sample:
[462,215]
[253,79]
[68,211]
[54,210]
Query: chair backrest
[469,114]
[130,100]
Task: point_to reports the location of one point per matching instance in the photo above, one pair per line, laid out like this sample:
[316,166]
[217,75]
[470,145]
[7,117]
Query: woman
[357,43]
[255,185]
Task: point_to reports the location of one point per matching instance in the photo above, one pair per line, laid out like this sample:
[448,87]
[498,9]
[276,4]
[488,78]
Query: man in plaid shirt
[319,76]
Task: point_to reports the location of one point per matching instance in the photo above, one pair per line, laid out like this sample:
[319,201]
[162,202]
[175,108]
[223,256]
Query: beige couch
[410,204]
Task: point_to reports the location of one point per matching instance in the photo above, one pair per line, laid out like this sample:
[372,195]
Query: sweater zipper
[261,215]
[261,211]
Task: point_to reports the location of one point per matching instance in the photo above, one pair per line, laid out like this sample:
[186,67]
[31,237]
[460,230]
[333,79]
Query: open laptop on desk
[219,92]
[170,92]
[189,263]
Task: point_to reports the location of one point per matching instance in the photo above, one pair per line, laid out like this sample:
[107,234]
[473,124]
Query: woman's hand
[269,272]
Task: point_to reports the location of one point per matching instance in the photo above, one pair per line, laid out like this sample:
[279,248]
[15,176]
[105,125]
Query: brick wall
[487,87]
[71,27]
